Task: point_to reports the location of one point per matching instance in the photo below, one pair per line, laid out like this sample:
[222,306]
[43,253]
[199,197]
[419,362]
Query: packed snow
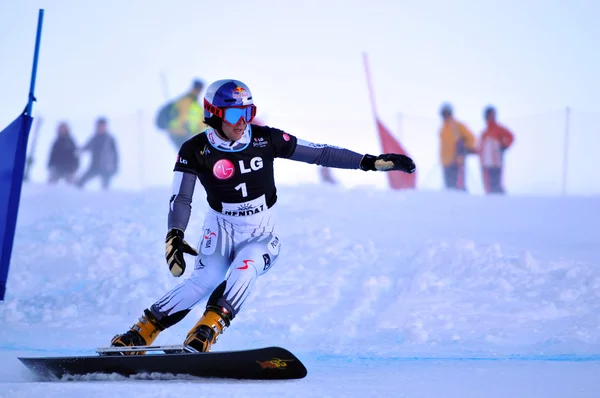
[378,292]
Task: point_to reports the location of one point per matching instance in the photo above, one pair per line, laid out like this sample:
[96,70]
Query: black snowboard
[269,363]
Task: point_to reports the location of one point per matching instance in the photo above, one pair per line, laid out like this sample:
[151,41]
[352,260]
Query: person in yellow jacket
[184,117]
[456,142]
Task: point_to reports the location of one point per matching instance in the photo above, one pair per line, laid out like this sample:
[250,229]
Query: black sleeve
[283,143]
[326,155]
[187,162]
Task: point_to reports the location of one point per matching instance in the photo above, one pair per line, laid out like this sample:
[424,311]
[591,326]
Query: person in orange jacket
[495,139]
[456,142]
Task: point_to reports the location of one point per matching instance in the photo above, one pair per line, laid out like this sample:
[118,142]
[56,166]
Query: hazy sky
[303,63]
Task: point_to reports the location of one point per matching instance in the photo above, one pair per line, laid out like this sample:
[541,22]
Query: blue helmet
[226,93]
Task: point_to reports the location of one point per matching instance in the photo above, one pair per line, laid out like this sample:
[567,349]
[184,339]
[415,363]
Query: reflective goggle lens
[233,115]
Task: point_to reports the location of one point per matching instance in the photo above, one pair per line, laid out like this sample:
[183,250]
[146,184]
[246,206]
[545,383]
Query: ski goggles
[232,114]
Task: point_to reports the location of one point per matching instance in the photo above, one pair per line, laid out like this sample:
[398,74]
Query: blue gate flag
[13,150]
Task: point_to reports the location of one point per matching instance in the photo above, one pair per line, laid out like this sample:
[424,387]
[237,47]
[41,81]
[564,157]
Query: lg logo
[224,169]
[255,164]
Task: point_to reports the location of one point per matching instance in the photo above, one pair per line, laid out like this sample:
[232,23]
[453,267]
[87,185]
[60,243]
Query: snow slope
[379,292]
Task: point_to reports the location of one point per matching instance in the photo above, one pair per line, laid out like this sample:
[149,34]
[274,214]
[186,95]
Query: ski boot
[205,333]
[144,332]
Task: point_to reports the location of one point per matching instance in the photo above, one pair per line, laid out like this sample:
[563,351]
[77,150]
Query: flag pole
[370,85]
[389,144]
[36,52]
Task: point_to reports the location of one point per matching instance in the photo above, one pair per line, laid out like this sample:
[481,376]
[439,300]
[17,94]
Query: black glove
[175,246]
[387,162]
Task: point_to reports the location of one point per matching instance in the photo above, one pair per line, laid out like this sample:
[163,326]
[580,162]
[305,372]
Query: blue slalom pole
[38,39]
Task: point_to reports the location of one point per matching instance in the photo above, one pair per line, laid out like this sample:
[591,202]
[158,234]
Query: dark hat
[198,84]
[446,108]
[488,109]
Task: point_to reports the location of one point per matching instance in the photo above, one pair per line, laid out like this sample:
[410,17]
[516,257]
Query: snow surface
[379,293]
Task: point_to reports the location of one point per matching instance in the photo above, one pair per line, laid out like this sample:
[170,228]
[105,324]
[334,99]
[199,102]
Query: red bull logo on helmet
[240,93]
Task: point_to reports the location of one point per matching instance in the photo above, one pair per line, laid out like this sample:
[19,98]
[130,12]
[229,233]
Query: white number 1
[242,186]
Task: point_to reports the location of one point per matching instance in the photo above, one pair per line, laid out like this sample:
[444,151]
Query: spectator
[456,142]
[105,156]
[183,117]
[63,162]
[495,139]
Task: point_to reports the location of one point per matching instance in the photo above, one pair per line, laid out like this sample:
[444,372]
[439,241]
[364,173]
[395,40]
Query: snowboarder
[234,162]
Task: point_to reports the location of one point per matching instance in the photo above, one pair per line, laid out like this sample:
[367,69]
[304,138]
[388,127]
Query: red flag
[397,179]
